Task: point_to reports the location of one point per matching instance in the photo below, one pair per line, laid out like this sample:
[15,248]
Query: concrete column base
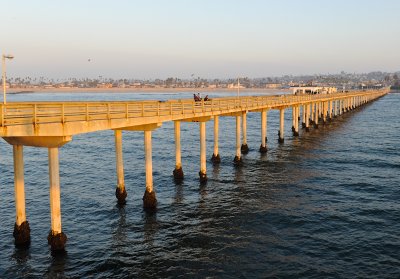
[121,195]
[281,140]
[295,134]
[237,160]
[263,149]
[57,241]
[22,234]
[215,159]
[303,125]
[315,126]
[307,129]
[149,201]
[203,177]
[244,148]
[178,174]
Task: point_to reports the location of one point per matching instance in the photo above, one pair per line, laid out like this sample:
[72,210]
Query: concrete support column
[331,108]
[178,172]
[149,197]
[56,237]
[324,112]
[263,146]
[312,113]
[244,148]
[303,123]
[308,118]
[316,116]
[238,158]
[203,166]
[293,118]
[21,227]
[281,125]
[296,122]
[120,191]
[334,106]
[215,157]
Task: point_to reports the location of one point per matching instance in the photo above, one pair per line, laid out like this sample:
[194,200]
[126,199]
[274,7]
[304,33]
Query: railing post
[108,111]
[158,108]
[34,114]
[142,109]
[87,112]
[62,114]
[127,111]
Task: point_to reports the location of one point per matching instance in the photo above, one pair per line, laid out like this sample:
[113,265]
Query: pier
[53,124]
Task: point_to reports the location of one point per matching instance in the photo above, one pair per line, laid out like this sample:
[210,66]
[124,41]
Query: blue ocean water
[323,205]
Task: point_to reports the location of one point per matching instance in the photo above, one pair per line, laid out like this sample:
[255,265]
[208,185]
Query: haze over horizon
[211,39]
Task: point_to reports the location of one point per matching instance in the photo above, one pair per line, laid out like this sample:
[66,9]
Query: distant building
[273,86]
[301,90]
[235,86]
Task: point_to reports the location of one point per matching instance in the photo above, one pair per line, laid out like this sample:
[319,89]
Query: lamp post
[8,56]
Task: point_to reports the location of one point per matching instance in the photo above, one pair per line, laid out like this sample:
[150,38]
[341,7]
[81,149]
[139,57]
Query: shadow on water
[21,258]
[57,266]
[150,228]
[179,192]
[119,237]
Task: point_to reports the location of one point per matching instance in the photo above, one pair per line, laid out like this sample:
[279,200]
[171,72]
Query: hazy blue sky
[210,38]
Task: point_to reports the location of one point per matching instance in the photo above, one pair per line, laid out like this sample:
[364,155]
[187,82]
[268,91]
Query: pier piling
[263,147]
[238,158]
[56,237]
[178,171]
[21,228]
[296,120]
[149,197]
[120,191]
[281,125]
[215,157]
[244,148]
[203,165]
[308,117]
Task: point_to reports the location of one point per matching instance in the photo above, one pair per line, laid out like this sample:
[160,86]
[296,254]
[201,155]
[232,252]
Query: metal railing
[28,113]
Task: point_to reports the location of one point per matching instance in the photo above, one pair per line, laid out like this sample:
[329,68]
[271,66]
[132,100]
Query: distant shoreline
[138,90]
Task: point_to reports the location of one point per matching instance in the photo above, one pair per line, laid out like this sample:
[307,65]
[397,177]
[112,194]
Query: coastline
[139,90]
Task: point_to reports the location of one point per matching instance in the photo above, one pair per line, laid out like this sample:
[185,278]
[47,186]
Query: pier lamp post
[5,56]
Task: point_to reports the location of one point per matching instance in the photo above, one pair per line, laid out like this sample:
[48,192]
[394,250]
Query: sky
[208,38]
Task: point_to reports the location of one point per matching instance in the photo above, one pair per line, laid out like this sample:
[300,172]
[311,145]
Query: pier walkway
[53,124]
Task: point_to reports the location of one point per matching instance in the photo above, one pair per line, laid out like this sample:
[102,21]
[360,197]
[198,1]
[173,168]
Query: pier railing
[28,113]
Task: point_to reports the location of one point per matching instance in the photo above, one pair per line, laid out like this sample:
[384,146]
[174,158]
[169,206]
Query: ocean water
[323,205]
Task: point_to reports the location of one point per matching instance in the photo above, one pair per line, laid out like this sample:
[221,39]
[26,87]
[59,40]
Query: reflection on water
[57,266]
[150,228]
